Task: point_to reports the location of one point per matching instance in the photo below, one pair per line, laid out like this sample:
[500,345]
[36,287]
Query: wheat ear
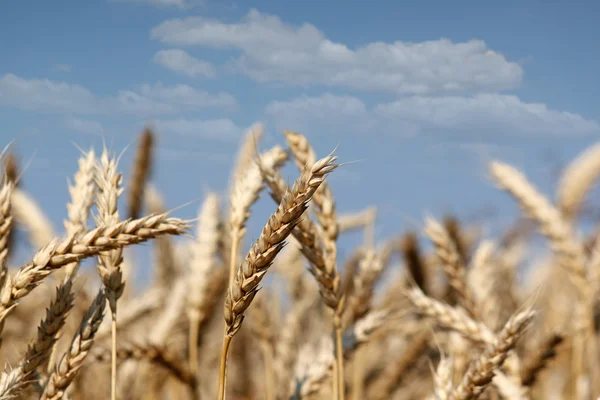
[5,228]
[481,372]
[67,368]
[38,351]
[265,249]
[82,199]
[142,168]
[576,180]
[203,264]
[326,214]
[451,260]
[108,182]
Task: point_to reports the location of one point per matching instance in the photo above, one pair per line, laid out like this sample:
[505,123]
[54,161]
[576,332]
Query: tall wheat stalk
[264,250]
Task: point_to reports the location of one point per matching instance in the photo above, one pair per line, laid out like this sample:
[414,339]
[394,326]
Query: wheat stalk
[265,249]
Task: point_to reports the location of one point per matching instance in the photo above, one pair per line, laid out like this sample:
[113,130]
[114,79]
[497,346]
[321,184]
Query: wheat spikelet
[306,234]
[271,241]
[451,260]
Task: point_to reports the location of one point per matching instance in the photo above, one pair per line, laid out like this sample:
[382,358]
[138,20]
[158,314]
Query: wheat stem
[223,367]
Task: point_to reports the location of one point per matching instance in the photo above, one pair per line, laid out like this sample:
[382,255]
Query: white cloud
[179,61]
[62,67]
[486,111]
[481,114]
[84,126]
[327,111]
[44,95]
[273,50]
[218,129]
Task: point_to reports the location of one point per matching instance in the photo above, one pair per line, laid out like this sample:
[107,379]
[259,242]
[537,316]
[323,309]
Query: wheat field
[284,316]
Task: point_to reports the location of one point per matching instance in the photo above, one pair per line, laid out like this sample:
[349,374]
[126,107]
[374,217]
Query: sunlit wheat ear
[370,269]
[261,255]
[5,227]
[306,233]
[108,183]
[451,261]
[576,181]
[271,241]
[82,198]
[481,372]
[247,151]
[69,365]
[568,249]
[203,264]
[38,350]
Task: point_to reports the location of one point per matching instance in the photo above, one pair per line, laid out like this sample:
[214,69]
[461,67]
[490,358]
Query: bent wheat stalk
[265,249]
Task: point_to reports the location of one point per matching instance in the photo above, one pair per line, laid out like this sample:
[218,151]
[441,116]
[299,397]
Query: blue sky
[424,93]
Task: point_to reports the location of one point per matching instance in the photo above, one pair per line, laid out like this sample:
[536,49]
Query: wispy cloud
[275,51]
[49,96]
[181,62]
[481,114]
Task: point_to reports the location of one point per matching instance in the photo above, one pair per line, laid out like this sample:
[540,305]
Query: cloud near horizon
[47,96]
[479,114]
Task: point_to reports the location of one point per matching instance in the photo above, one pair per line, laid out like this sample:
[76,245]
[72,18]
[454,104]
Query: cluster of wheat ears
[455,322]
